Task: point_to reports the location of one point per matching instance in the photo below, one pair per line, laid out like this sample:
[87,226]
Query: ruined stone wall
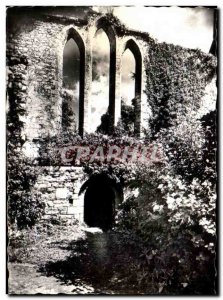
[58,188]
[36,42]
[35,45]
[41,44]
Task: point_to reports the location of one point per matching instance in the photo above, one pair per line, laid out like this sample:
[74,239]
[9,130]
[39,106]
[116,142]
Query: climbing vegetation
[172,206]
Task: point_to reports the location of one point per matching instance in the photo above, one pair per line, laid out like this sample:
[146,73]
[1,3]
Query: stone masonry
[40,40]
[35,44]
[59,188]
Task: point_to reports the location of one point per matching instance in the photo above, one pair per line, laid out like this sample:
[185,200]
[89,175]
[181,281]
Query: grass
[42,243]
[105,261]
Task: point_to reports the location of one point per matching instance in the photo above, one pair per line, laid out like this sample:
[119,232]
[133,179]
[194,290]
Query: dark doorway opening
[99,207]
[100,201]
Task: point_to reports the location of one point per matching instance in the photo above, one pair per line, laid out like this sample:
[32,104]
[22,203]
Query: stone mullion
[88,85]
[117,110]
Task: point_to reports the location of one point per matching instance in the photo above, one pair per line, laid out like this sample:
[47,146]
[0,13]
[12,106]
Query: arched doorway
[100,201]
[99,207]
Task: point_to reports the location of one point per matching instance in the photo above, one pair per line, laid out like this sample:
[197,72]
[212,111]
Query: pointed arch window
[109,68]
[73,83]
[131,86]
[100,79]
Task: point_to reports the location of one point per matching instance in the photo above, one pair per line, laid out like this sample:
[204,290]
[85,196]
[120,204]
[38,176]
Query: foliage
[114,21]
[125,125]
[68,116]
[106,126]
[127,118]
[24,208]
[176,81]
[176,223]
[174,212]
[51,148]
[171,206]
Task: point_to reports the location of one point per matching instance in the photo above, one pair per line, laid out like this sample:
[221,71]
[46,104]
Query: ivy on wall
[175,82]
[24,208]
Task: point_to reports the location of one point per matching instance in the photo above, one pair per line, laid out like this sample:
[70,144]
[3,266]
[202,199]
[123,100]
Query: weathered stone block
[62,193]
[79,217]
[78,203]
[71,210]
[63,210]
[51,210]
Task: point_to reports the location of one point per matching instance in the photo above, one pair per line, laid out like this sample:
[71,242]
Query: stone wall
[58,188]
[35,45]
[40,40]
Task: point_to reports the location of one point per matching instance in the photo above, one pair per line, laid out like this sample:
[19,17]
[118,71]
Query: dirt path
[25,279]
[96,263]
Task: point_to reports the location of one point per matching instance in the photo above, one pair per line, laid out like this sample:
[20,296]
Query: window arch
[100,79]
[133,47]
[128,77]
[137,76]
[102,23]
[74,38]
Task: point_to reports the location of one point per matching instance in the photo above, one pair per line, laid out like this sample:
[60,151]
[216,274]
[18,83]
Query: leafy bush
[176,224]
[127,118]
[106,126]
[24,206]
[174,206]
[68,116]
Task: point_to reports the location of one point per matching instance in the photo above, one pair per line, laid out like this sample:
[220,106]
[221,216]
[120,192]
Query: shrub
[24,206]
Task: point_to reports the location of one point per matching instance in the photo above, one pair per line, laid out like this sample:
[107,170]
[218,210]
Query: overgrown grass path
[71,260]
